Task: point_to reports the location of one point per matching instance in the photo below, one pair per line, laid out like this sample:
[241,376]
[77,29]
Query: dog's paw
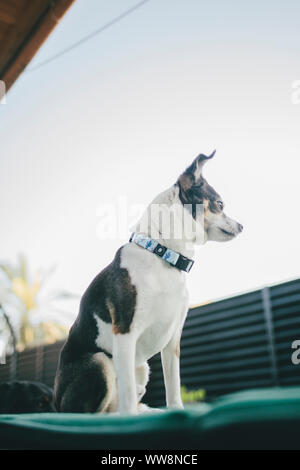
[177,406]
[142,408]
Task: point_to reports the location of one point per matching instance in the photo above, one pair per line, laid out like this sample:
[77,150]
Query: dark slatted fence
[285,302]
[38,364]
[233,344]
[237,343]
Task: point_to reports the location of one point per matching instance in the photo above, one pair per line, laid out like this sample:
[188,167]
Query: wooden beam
[30,45]
[8,12]
[28,15]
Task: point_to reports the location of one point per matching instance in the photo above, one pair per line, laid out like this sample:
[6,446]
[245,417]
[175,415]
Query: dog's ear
[193,173]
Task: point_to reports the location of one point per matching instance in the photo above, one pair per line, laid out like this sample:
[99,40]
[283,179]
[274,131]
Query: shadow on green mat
[255,419]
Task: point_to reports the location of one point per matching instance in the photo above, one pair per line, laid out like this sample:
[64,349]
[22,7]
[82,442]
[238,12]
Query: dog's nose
[240,227]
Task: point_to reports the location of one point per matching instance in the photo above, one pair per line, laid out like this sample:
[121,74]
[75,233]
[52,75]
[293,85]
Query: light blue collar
[170,256]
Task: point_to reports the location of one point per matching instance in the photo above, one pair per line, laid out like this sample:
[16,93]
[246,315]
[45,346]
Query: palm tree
[37,317]
[9,341]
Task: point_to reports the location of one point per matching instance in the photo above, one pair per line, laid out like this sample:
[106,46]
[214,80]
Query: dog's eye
[220,205]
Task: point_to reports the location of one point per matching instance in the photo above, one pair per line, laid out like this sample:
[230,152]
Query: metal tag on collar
[184,264]
[189,266]
[160,250]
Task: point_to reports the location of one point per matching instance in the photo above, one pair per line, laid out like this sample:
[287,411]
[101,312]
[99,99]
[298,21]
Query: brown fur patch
[206,206]
[112,313]
[116,329]
[111,310]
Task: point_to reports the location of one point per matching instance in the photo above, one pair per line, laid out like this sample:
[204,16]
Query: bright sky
[125,113]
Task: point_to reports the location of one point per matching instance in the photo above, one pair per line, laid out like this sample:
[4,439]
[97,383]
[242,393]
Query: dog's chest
[162,301]
[158,325]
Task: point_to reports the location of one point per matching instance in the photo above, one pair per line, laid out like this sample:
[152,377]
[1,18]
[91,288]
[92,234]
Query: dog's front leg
[124,362]
[171,370]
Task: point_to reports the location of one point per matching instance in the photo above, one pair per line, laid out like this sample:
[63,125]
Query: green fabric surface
[262,418]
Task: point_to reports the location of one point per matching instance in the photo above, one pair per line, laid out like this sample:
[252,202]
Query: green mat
[255,419]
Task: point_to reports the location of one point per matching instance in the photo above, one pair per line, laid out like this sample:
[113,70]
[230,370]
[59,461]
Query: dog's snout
[240,227]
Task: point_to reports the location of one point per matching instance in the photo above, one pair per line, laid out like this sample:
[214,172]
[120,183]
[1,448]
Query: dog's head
[195,193]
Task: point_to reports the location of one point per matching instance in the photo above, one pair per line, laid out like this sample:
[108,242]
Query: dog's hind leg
[142,376]
[87,385]
[110,400]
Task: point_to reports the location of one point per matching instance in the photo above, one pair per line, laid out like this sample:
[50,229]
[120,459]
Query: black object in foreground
[25,397]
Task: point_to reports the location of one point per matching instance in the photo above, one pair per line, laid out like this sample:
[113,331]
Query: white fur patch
[104,338]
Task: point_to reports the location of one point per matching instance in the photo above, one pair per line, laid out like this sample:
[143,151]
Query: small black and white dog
[136,307]
[21,396]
